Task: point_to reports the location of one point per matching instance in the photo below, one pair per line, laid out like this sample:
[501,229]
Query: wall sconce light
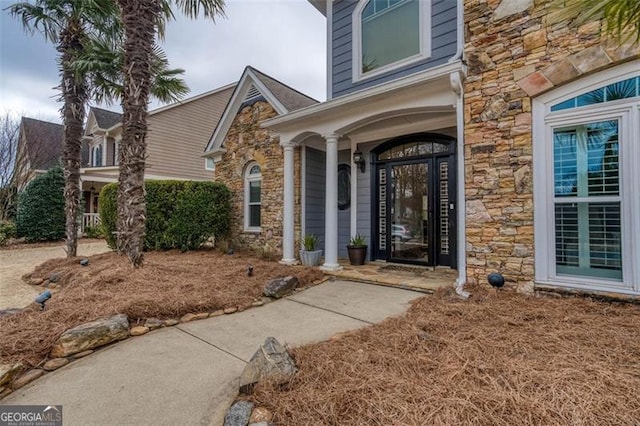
[358,159]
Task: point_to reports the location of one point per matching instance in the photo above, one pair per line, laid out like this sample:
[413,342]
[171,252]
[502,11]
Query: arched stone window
[252,197]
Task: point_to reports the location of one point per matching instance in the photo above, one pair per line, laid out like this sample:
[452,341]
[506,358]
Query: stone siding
[246,142]
[514,52]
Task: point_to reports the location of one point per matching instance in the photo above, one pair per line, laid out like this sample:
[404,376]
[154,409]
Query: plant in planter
[357,249]
[309,256]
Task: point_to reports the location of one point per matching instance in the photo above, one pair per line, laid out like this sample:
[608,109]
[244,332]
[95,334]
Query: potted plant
[309,256]
[357,249]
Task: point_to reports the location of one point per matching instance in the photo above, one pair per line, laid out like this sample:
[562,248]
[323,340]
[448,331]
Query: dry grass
[170,285]
[497,359]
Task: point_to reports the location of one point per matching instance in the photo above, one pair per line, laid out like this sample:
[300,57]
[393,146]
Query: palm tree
[67,23]
[142,20]
[622,17]
[88,35]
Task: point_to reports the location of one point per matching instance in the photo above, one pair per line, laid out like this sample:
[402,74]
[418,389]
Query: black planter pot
[357,255]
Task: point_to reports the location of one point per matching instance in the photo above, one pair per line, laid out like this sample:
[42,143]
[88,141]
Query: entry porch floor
[413,277]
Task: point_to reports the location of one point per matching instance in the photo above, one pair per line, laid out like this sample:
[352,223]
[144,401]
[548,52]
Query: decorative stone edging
[14,377]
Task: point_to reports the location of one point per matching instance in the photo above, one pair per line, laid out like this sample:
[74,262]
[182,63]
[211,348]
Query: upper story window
[389,34]
[252,197]
[96,156]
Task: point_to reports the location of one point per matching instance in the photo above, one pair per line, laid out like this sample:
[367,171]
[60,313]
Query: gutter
[460,32]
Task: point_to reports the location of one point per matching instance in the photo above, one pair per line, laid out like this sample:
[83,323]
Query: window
[116,153]
[344,186]
[97,156]
[209,164]
[252,196]
[586,152]
[388,34]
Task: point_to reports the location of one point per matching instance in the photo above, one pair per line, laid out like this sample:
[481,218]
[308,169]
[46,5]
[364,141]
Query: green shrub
[180,214]
[94,231]
[40,215]
[108,202]
[7,231]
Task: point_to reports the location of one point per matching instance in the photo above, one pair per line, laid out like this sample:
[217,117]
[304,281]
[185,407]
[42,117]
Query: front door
[415,205]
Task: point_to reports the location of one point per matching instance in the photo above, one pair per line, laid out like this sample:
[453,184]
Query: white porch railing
[89,220]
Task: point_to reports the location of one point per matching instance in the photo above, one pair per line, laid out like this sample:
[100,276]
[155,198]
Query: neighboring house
[440,150]
[176,135]
[250,162]
[39,149]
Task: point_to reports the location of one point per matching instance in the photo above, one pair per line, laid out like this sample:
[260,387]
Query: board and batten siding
[443,46]
[315,199]
[178,136]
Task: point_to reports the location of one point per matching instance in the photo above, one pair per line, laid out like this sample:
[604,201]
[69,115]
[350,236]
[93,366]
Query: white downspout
[458,88]
[329,49]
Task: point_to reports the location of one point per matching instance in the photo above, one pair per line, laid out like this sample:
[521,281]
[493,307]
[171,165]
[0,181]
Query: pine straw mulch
[496,359]
[169,285]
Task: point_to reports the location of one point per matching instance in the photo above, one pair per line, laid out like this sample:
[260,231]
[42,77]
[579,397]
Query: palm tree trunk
[74,95]
[139,19]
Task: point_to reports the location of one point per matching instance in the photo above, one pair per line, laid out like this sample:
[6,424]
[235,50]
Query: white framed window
[96,156]
[209,164]
[116,153]
[389,34]
[252,197]
[586,139]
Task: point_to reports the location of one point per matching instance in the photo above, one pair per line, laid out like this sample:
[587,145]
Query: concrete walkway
[14,263]
[187,374]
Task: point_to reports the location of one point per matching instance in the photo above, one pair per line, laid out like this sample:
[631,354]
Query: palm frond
[622,17]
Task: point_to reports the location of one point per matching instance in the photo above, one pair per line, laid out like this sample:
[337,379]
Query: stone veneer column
[288,225]
[331,206]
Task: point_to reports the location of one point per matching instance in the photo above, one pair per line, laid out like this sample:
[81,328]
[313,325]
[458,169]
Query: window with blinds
[587,200]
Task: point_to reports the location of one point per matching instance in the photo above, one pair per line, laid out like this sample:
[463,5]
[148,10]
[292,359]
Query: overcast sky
[282,38]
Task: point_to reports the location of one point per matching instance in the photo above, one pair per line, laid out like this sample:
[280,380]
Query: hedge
[180,214]
[40,215]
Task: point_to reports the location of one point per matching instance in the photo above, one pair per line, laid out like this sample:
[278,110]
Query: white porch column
[355,171]
[331,205]
[288,220]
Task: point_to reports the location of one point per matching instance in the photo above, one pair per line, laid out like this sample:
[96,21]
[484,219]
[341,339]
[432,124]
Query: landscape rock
[260,424]
[153,323]
[91,335]
[187,317]
[238,414]
[201,315]
[82,354]
[270,360]
[4,392]
[171,322]
[26,378]
[54,277]
[36,281]
[84,262]
[217,313]
[54,364]
[257,303]
[260,415]
[280,287]
[8,372]
[230,310]
[139,330]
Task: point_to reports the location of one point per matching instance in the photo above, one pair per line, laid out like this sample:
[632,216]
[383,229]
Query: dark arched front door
[414,200]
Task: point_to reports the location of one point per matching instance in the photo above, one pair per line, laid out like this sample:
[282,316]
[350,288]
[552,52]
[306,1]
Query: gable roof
[289,97]
[106,119]
[43,141]
[253,83]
